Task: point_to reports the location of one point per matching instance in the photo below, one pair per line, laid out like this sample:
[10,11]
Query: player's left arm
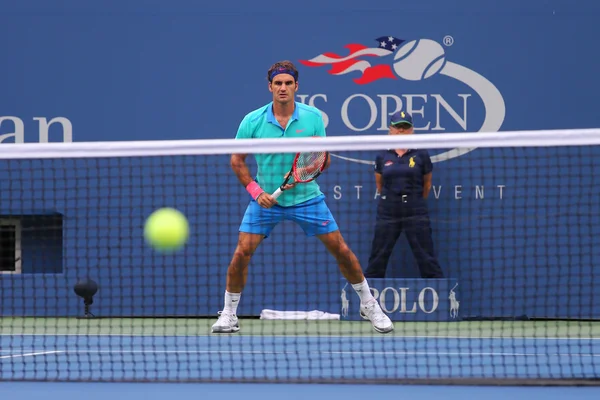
[427,174]
[320,132]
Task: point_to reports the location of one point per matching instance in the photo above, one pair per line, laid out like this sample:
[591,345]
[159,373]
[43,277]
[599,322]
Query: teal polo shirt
[261,124]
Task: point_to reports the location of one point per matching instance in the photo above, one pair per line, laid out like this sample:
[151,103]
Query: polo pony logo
[454,304]
[345,301]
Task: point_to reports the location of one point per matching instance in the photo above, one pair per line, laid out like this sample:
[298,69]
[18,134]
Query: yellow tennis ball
[166,229]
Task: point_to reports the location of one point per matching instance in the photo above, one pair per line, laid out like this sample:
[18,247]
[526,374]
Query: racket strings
[309,165]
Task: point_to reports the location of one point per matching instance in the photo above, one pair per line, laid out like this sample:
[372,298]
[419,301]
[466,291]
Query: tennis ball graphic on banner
[419,59]
[166,230]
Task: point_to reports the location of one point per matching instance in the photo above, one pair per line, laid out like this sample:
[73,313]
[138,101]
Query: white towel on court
[298,315]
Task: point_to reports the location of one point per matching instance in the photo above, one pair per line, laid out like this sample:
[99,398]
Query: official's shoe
[381,322]
[227,323]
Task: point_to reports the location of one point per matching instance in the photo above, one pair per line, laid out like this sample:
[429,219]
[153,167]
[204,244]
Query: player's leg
[316,219]
[387,231]
[237,272]
[352,271]
[345,257]
[257,224]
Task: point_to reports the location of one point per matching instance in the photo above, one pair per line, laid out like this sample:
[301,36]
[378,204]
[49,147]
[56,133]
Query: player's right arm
[241,170]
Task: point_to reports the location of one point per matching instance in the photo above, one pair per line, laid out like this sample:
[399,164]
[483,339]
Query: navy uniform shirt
[403,175]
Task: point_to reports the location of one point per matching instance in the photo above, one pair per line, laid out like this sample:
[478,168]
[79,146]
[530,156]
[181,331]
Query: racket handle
[277,193]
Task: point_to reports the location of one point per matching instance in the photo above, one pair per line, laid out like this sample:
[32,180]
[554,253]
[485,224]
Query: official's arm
[426,184]
[378,174]
[378,182]
[427,171]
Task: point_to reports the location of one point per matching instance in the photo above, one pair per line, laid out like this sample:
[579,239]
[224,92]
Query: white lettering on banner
[358,191]
[337,194]
[457,192]
[44,125]
[18,134]
[400,300]
[442,102]
[372,107]
[415,60]
[383,303]
[403,291]
[382,110]
[479,192]
[476,192]
[413,111]
[435,302]
[67,128]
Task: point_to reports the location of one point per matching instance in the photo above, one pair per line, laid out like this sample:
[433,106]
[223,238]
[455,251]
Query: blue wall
[118,70]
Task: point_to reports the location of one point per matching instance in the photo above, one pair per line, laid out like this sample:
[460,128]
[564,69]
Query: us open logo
[414,60]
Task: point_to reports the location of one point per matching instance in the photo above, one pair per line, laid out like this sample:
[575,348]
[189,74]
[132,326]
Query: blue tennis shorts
[313,216]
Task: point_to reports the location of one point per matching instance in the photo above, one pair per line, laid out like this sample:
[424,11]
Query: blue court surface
[132,358]
[274,351]
[151,391]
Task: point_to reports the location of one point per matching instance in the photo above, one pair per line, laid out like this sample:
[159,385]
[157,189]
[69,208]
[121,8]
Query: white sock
[363,291]
[231,302]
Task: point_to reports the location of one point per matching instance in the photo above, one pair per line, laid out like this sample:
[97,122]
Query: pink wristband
[254,189]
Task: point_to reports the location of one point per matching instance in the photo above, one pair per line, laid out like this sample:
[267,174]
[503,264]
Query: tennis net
[512,220]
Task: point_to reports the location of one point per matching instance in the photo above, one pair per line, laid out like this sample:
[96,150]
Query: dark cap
[401,117]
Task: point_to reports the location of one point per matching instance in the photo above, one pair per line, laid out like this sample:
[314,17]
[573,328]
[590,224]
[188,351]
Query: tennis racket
[305,168]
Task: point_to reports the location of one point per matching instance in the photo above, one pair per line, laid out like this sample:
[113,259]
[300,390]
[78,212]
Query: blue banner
[517,228]
[406,299]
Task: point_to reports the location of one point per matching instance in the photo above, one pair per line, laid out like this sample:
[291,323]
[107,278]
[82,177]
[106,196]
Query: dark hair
[283,65]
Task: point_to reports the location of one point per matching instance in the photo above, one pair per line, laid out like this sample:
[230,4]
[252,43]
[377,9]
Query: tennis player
[303,203]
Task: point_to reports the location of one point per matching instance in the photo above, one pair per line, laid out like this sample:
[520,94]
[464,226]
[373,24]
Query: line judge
[403,179]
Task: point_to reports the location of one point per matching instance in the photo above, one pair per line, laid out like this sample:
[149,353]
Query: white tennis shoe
[227,323]
[381,322]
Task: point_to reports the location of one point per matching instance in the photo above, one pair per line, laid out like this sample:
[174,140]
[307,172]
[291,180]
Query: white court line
[17,349]
[369,335]
[31,354]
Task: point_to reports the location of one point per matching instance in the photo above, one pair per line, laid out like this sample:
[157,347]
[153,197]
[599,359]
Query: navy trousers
[397,214]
